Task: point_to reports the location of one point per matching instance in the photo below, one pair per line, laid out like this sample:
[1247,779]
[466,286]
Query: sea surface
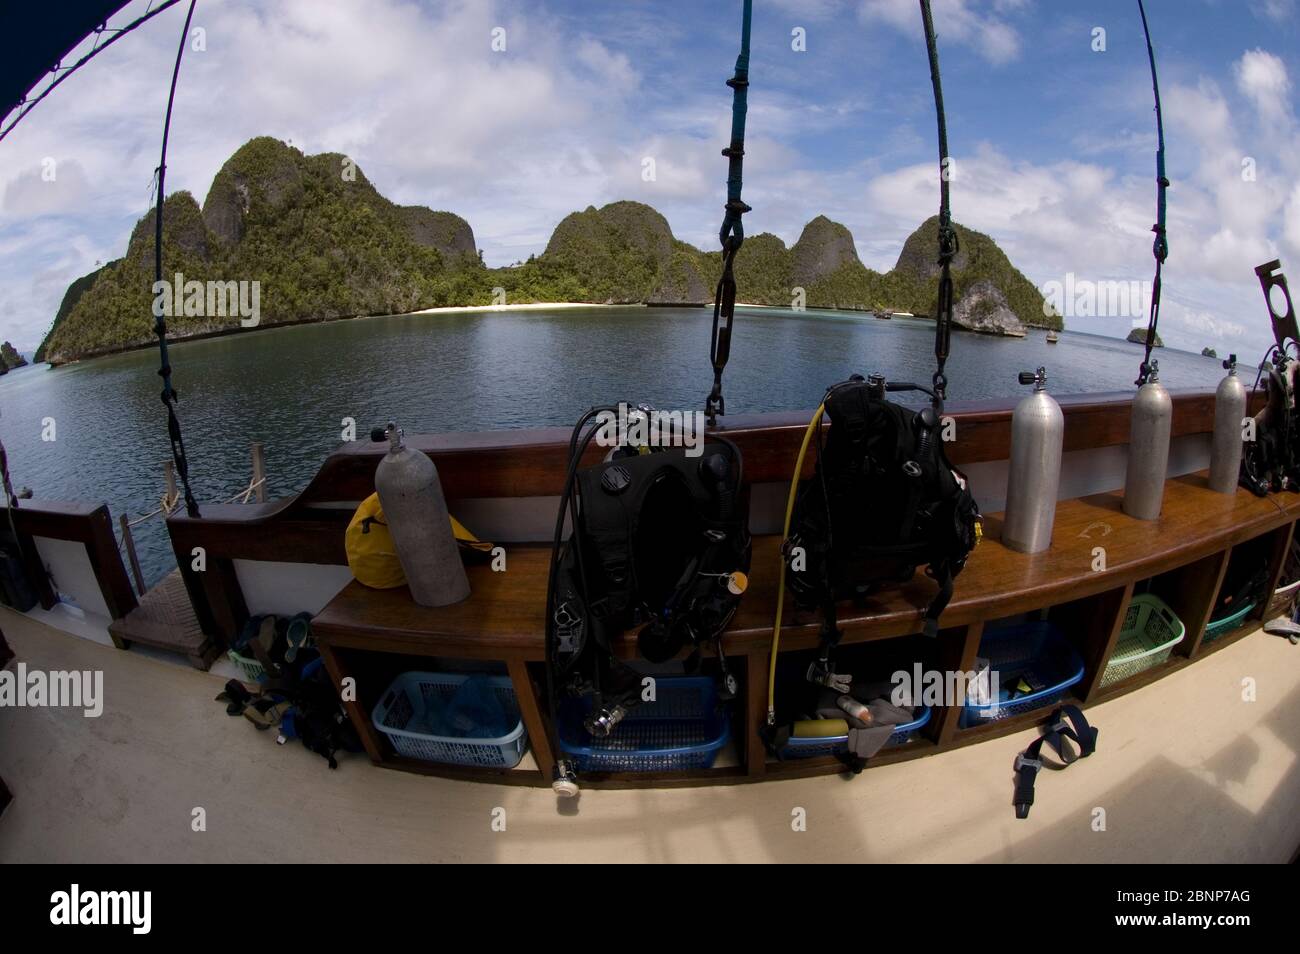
[291,388]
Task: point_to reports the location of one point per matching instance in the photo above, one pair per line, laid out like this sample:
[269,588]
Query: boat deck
[1186,771]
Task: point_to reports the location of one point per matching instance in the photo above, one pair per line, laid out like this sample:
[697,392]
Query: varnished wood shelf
[504,615]
[1184,554]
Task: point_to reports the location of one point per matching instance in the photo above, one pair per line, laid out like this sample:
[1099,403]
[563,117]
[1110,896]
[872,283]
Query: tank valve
[1230,365]
[389,432]
[1037,378]
[564,780]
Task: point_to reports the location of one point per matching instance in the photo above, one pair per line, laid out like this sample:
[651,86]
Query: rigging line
[1160,248]
[948,244]
[160,324]
[27,105]
[732,232]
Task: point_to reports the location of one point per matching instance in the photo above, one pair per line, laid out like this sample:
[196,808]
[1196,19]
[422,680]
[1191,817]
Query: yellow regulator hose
[785,535]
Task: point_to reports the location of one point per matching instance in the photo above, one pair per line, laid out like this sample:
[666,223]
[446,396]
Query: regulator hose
[785,535]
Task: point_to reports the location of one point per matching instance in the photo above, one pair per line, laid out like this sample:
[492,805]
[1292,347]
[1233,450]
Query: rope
[948,244]
[732,233]
[168,502]
[1160,248]
[169,395]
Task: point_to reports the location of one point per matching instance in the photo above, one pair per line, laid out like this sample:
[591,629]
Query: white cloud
[1279,11]
[960,21]
[1262,77]
[514,141]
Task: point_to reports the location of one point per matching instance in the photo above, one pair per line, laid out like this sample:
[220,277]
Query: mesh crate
[684,728]
[1150,632]
[253,670]
[1226,625]
[1037,653]
[400,715]
[836,744]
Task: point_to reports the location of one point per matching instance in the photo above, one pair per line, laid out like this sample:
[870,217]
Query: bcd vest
[884,501]
[1271,462]
[661,542]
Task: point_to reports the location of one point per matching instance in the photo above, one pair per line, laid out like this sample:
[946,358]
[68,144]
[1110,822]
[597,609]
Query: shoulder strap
[1066,723]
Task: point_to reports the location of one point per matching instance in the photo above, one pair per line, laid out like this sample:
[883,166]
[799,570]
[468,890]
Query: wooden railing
[531,463]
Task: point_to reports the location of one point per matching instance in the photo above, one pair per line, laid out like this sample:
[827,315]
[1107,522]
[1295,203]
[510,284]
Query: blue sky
[1053,141]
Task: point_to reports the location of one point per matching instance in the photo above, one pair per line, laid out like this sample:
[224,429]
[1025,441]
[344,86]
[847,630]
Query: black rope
[948,244]
[169,396]
[1160,248]
[732,233]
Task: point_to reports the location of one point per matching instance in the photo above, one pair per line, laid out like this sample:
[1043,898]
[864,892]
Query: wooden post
[130,553]
[259,472]
[169,475]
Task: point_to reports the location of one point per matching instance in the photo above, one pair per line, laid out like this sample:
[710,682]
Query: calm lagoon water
[290,388]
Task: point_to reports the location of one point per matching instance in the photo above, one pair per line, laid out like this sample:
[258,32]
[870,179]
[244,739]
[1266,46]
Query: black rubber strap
[1066,724]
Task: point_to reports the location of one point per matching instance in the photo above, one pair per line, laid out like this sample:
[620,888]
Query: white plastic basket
[400,711]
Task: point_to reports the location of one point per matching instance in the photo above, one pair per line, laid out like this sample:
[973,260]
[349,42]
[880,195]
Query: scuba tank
[1037,433]
[1148,448]
[411,495]
[1229,410]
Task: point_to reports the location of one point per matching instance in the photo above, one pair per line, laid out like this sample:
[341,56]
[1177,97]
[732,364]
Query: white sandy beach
[529,306]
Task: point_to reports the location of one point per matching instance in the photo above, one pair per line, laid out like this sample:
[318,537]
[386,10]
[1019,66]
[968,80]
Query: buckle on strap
[1023,763]
[1027,768]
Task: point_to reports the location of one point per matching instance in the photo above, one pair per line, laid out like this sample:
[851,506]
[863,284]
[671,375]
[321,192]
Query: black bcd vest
[884,500]
[659,536]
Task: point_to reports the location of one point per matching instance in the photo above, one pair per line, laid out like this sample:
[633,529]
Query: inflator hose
[785,535]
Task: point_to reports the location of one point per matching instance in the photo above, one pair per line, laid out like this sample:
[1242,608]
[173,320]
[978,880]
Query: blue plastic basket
[684,728]
[400,716]
[1037,652]
[835,744]
[1226,625]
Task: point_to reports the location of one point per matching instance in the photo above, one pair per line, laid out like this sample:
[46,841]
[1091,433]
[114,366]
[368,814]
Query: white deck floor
[1185,771]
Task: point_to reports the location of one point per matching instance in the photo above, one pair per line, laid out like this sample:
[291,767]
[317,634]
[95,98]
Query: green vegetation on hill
[323,243]
[10,358]
[978,259]
[70,298]
[312,230]
[1139,336]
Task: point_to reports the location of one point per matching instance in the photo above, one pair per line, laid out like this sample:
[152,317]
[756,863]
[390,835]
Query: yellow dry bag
[372,558]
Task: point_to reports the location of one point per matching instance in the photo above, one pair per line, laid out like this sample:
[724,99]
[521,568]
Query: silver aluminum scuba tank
[416,511]
[1148,449]
[1037,433]
[1225,451]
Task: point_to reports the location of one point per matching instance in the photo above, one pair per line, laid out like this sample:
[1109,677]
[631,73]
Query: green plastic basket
[1228,623]
[253,670]
[1151,631]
